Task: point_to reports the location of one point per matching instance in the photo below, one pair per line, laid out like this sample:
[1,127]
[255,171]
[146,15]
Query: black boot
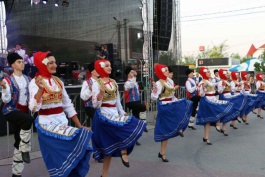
[16,175]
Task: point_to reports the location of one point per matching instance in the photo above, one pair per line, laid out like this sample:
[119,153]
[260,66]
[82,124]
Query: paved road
[241,154]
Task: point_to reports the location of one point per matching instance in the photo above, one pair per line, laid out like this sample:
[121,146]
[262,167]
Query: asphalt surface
[241,154]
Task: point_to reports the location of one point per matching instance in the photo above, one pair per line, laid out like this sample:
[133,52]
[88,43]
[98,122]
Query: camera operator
[104,53]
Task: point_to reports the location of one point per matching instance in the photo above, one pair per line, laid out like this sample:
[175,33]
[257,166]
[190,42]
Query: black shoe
[238,119]
[145,130]
[25,157]
[254,112]
[137,143]
[223,132]
[16,175]
[207,141]
[234,127]
[193,128]
[260,117]
[163,159]
[219,130]
[100,161]
[180,134]
[126,164]
[245,121]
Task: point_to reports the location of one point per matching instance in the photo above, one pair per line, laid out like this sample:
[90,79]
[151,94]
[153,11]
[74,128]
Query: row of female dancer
[66,150]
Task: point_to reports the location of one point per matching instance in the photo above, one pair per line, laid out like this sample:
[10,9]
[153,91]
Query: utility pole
[125,41]
[118,25]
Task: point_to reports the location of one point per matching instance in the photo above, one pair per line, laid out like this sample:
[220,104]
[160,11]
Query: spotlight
[65,3]
[44,1]
[56,4]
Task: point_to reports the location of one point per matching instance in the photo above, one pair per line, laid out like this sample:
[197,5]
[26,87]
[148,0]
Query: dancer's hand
[39,82]
[3,84]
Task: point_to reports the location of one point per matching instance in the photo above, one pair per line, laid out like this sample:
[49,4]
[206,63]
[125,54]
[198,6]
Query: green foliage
[217,51]
[189,60]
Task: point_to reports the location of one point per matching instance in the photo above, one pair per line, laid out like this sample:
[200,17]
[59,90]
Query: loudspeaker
[179,74]
[162,24]
[110,50]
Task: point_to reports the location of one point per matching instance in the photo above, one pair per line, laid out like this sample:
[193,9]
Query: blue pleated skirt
[239,101]
[261,100]
[65,156]
[110,137]
[212,111]
[171,118]
[252,100]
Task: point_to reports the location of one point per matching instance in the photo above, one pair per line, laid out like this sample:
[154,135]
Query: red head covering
[99,67]
[259,77]
[234,75]
[244,75]
[203,71]
[39,61]
[159,68]
[223,73]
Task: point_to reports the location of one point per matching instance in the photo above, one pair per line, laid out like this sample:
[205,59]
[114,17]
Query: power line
[214,13]
[199,19]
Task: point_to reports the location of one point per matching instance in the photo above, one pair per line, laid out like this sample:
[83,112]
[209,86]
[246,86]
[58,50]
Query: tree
[189,60]
[218,51]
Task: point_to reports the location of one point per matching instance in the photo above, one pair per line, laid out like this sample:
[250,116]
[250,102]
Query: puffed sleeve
[68,106]
[220,87]
[6,93]
[155,95]
[86,93]
[202,89]
[33,89]
[95,92]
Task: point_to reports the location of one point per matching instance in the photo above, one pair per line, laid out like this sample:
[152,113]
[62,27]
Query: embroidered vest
[227,88]
[109,94]
[14,89]
[166,91]
[209,86]
[50,96]
[190,95]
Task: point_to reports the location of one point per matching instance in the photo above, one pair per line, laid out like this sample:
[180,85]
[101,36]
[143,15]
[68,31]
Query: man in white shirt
[15,95]
[191,91]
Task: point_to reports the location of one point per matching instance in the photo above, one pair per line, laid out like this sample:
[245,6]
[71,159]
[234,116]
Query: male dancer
[15,97]
[86,93]
[191,89]
[132,95]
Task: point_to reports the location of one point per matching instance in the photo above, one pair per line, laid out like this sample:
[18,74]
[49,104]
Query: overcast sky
[240,22]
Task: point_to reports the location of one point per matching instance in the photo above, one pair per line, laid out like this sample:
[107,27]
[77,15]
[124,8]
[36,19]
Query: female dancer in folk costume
[239,100]
[260,85]
[114,133]
[210,110]
[252,99]
[173,115]
[65,149]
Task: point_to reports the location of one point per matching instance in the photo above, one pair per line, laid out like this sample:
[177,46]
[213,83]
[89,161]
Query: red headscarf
[39,61]
[203,71]
[99,67]
[223,73]
[159,71]
[244,75]
[259,77]
[234,75]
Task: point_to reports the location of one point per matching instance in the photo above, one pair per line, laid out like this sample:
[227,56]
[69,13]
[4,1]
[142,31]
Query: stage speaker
[162,24]
[110,50]
[179,74]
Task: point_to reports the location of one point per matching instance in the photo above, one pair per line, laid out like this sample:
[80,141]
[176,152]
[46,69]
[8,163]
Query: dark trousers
[20,120]
[90,114]
[195,99]
[136,107]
